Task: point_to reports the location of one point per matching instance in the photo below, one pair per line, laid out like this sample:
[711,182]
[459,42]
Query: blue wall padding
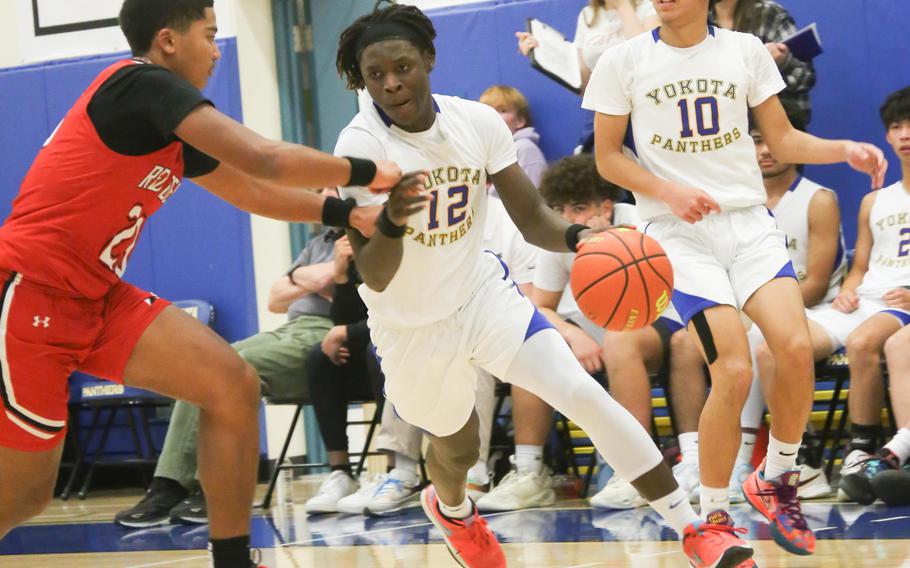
[197,246]
[867,56]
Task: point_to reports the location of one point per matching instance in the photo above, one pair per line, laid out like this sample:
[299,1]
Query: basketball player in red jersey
[117,156]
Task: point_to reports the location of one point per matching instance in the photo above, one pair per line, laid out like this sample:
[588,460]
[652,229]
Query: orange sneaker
[470,541]
[776,500]
[714,544]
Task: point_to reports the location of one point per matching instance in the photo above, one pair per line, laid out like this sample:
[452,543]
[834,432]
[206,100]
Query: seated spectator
[882,476]
[278,356]
[574,188]
[771,23]
[338,372]
[601,25]
[882,303]
[513,107]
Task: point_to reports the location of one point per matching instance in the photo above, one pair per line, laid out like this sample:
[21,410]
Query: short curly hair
[575,180]
[347,60]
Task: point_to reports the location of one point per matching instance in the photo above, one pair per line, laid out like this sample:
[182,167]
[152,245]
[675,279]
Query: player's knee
[895,350]
[796,353]
[733,376]
[861,346]
[238,389]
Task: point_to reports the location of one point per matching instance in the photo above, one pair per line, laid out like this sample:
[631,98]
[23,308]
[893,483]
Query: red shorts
[45,336]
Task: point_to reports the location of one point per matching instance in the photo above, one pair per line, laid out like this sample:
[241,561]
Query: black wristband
[337,212]
[572,236]
[290,274]
[388,228]
[362,172]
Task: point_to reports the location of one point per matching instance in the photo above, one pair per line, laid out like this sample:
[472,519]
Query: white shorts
[431,371]
[839,325]
[722,259]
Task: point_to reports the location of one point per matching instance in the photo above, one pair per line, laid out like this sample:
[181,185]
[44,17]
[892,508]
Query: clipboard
[555,57]
[805,43]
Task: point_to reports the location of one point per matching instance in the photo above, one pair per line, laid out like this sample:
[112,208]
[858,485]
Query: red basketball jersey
[82,206]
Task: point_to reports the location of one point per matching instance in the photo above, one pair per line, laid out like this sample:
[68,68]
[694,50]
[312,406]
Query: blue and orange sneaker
[470,541]
[714,543]
[776,500]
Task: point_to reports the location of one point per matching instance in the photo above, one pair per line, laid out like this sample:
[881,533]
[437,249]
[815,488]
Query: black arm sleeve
[347,306]
[137,109]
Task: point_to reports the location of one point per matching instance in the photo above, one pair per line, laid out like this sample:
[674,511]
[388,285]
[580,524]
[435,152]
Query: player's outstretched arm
[793,146]
[379,257]
[688,203]
[284,203]
[539,225]
[280,163]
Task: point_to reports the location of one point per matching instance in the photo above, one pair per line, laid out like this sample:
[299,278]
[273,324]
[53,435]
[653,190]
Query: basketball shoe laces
[475,531]
[881,461]
[789,504]
[713,531]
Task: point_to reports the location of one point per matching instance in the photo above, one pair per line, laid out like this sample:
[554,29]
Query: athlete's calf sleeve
[546,367]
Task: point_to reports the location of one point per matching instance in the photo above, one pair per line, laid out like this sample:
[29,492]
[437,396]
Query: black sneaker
[893,486]
[154,508]
[858,485]
[191,510]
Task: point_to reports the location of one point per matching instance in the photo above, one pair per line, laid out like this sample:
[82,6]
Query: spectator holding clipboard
[773,25]
[601,25]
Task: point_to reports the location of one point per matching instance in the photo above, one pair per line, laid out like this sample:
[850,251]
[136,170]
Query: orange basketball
[622,279]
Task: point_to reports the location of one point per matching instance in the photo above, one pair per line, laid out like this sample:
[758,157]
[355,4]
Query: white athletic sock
[462,511]
[405,470]
[714,499]
[676,510]
[900,444]
[479,473]
[746,448]
[528,459]
[688,447]
[781,457]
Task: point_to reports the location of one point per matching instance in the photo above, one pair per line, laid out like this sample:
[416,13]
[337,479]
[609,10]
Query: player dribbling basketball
[439,306]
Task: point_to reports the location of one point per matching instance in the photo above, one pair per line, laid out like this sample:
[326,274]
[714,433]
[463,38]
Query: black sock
[345,468]
[231,552]
[864,437]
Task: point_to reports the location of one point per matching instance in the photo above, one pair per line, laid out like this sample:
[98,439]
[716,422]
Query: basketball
[621,279]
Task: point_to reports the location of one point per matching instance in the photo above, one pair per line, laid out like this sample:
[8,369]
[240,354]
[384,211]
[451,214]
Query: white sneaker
[477,487]
[520,491]
[393,496]
[741,471]
[618,494]
[336,486]
[813,483]
[356,503]
[689,479]
[851,464]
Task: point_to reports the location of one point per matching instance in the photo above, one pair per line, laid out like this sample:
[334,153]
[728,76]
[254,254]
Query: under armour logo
[45,321]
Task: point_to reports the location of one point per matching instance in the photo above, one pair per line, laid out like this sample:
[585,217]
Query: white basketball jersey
[443,261]
[792,215]
[689,110]
[889,261]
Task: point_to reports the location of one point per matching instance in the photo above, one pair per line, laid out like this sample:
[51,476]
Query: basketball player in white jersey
[439,306]
[810,217]
[687,88]
[873,304]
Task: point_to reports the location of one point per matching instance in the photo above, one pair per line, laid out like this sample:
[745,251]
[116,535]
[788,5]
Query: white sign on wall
[58,29]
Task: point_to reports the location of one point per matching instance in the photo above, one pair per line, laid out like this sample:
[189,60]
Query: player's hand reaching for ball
[688,203]
[387,175]
[868,159]
[846,302]
[407,198]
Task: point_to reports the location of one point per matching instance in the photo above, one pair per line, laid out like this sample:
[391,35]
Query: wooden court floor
[80,534]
